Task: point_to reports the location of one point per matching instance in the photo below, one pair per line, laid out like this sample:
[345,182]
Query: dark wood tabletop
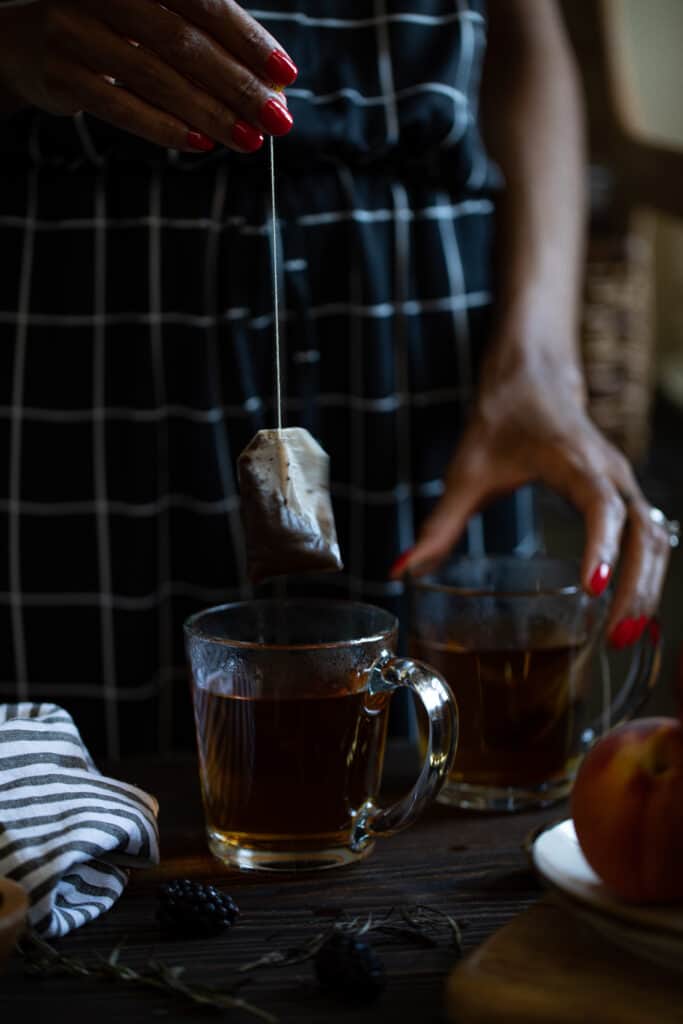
[470,865]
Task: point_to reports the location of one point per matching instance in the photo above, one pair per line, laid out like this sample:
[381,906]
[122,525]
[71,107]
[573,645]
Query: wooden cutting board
[545,967]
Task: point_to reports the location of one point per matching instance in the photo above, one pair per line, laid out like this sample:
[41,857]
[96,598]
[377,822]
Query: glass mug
[518,642]
[291,702]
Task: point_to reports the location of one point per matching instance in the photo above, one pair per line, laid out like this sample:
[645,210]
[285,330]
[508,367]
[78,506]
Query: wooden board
[545,967]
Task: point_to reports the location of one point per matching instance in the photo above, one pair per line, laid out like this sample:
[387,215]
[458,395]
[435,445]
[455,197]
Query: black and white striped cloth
[67,833]
[136,350]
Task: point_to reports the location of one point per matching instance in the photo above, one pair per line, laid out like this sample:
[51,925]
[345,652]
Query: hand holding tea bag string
[529,421]
[184,75]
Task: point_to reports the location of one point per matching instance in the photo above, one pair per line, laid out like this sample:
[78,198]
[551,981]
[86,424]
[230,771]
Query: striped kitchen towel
[67,833]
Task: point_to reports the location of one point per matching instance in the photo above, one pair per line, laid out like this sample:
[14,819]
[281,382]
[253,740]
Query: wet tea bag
[286,506]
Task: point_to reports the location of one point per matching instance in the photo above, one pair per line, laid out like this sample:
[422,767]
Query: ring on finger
[671,526]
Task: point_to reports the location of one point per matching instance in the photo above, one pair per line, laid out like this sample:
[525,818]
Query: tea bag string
[276,298]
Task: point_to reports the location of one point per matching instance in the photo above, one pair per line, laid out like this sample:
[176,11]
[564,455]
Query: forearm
[533,127]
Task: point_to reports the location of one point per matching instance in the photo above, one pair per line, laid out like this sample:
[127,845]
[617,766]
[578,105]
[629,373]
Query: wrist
[534,345]
[539,314]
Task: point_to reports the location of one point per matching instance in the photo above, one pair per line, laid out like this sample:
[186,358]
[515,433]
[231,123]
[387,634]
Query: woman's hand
[530,424]
[181,75]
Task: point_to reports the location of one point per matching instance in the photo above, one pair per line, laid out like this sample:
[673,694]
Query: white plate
[653,932]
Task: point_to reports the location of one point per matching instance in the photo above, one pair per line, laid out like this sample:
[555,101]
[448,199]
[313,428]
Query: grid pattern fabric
[136,351]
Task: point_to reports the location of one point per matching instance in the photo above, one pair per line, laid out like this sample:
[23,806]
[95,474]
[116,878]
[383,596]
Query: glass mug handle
[387,675]
[640,679]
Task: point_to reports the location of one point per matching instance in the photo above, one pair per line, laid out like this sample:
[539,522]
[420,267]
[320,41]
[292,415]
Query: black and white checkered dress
[136,341]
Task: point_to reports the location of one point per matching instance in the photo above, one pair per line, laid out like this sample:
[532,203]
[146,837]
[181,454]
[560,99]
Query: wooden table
[472,866]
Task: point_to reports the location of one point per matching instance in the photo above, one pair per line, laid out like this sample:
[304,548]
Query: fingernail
[623,633]
[639,627]
[275,118]
[197,140]
[281,69]
[600,579]
[246,137]
[400,563]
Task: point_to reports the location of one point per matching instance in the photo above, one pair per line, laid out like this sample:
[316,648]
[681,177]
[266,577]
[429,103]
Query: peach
[627,805]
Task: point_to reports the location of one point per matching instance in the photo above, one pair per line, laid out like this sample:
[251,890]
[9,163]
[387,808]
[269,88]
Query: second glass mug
[518,641]
[291,703]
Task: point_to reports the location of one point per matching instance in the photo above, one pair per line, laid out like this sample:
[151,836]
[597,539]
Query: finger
[200,59]
[600,504]
[604,514]
[94,94]
[241,35]
[644,562]
[470,481]
[439,534]
[154,82]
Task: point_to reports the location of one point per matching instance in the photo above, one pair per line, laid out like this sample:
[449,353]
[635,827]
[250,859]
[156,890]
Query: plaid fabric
[136,350]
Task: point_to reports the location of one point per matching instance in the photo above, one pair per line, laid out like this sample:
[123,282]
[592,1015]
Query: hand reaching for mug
[530,424]
[181,75]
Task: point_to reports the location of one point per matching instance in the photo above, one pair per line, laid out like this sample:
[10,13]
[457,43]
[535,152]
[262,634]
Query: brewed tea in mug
[517,641]
[291,701]
[522,710]
[261,753]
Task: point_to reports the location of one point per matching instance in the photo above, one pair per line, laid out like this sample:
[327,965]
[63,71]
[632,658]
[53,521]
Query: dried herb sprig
[427,923]
[42,958]
[421,924]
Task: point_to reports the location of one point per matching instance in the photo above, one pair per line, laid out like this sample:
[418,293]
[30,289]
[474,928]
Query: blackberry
[190,908]
[349,968]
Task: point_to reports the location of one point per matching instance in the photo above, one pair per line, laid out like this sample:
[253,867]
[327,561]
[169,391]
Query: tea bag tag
[286,507]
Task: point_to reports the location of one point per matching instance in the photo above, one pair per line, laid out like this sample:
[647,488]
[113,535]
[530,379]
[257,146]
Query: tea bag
[286,507]
[284,480]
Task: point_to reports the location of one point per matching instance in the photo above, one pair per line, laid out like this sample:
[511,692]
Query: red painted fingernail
[281,69]
[275,118]
[197,140]
[600,579]
[639,627]
[246,137]
[624,633]
[400,563]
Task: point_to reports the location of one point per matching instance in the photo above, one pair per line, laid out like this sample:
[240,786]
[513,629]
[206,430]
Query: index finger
[241,35]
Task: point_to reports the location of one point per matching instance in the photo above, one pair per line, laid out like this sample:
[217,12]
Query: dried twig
[42,958]
[421,924]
